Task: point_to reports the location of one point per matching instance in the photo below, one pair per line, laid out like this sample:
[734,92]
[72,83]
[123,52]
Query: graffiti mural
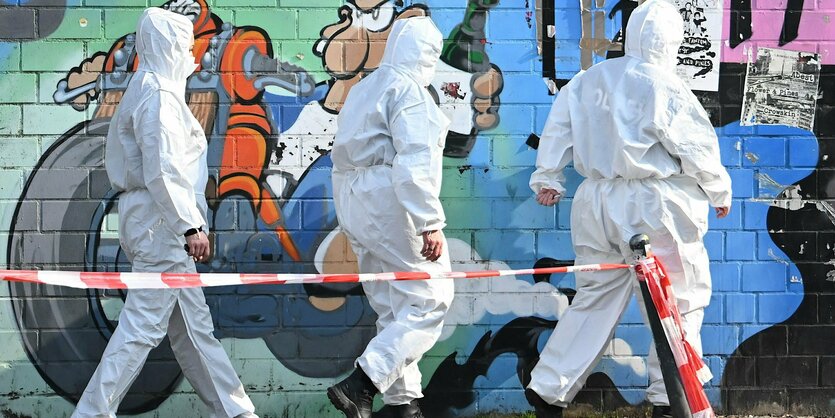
[258,192]
[268,90]
[784,367]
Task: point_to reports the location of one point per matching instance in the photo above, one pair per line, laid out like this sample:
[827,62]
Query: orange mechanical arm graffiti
[246,146]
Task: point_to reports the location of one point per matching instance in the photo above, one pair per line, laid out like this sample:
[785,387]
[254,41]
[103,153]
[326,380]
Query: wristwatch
[192,231]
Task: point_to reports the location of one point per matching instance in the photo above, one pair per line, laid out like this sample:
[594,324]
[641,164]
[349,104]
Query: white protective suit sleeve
[555,150]
[685,131]
[416,168]
[159,134]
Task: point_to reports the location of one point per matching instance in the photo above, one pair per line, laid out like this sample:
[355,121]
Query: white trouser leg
[583,331]
[203,359]
[407,387]
[142,326]
[692,324]
[145,319]
[412,315]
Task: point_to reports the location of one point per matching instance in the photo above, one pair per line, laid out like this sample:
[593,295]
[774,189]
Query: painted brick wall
[768,333]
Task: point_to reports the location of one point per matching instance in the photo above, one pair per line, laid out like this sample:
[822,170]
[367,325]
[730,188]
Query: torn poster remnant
[781,88]
[698,55]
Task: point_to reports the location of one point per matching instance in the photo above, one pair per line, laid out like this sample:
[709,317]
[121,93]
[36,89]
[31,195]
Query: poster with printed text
[698,55]
[781,88]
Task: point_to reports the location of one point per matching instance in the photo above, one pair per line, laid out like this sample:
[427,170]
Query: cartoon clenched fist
[81,86]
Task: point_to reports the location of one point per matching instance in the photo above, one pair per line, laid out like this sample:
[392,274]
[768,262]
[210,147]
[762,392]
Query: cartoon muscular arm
[81,85]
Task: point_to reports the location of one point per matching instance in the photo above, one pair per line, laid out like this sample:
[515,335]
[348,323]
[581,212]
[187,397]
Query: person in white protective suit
[156,156]
[650,158]
[387,159]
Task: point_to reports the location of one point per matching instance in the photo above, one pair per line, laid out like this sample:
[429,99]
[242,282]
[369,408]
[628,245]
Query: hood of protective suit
[413,48]
[163,40]
[654,33]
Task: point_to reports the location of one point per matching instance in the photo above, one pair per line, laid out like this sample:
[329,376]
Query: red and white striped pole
[683,370]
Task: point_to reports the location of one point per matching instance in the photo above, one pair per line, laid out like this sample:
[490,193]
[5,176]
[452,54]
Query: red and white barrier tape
[110,280]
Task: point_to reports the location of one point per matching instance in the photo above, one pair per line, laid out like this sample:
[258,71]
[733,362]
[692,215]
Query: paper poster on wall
[698,55]
[781,88]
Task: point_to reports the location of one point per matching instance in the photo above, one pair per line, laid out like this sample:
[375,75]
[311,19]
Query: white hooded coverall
[156,156]
[387,160]
[650,159]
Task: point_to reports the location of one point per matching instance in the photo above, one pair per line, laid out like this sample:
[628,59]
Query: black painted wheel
[65,330]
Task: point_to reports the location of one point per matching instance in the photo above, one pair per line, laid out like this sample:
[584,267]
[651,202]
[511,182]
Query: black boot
[543,409]
[661,411]
[354,396]
[410,410]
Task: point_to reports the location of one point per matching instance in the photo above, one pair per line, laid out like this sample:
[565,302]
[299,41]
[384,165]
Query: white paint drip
[794,201]
[769,183]
[826,207]
[777,258]
[830,275]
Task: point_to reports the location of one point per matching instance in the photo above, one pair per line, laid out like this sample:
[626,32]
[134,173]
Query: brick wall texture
[273,75]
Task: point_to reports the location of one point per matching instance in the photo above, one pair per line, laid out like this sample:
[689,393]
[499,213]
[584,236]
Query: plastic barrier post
[672,379]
